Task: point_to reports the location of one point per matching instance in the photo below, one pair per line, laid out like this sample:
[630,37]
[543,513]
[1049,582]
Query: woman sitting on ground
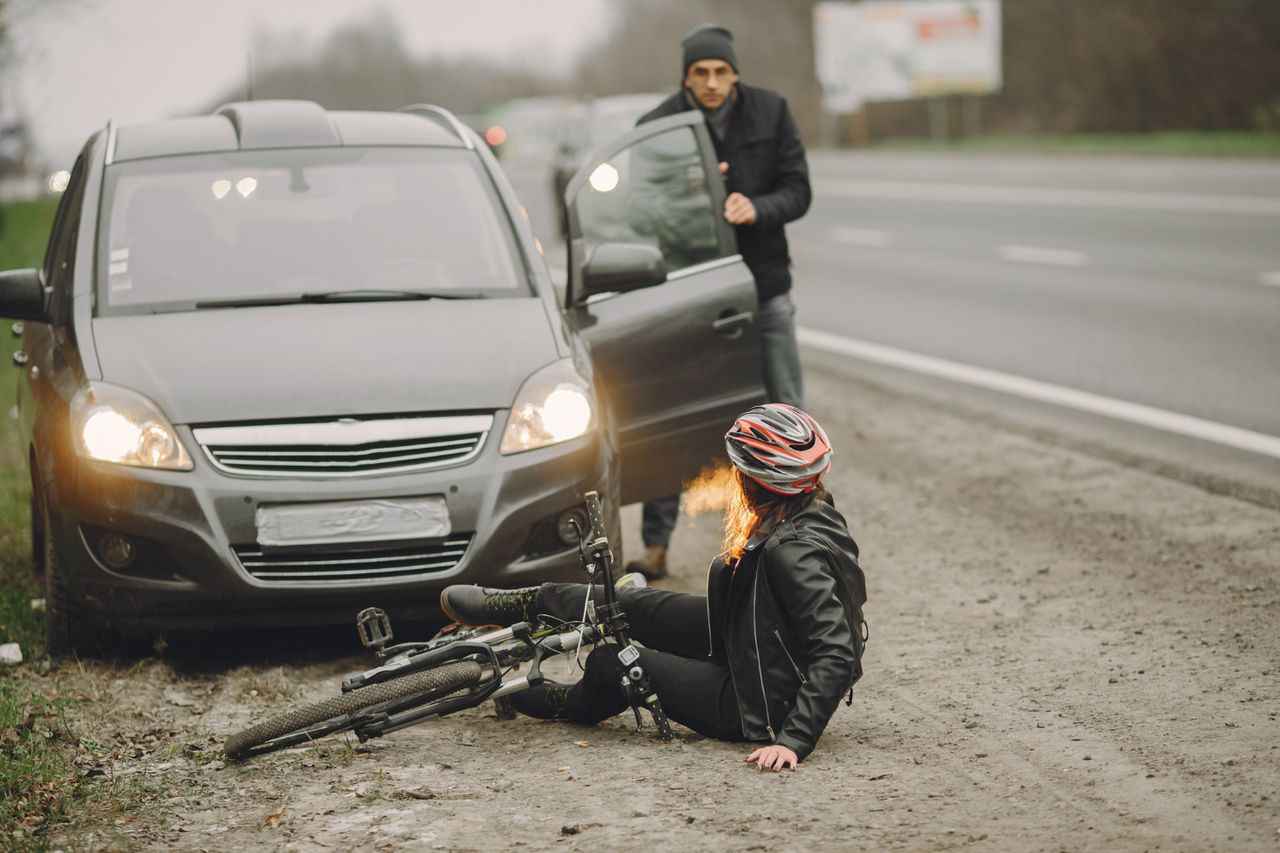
[766,655]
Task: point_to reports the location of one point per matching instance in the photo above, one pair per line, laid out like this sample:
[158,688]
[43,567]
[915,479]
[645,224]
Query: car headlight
[553,405]
[114,424]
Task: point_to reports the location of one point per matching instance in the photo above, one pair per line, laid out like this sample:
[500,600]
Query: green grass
[1167,144]
[37,771]
[37,776]
[26,228]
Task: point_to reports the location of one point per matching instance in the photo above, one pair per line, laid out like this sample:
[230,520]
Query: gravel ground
[1066,654]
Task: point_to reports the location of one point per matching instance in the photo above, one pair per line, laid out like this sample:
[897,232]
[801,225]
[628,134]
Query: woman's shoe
[547,701]
[482,605]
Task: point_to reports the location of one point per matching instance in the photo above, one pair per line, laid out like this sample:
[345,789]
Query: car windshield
[262,226]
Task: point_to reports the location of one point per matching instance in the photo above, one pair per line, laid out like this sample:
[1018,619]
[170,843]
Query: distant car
[282,363]
[526,129]
[588,125]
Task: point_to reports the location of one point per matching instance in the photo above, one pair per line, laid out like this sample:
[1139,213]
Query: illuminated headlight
[553,405]
[114,424]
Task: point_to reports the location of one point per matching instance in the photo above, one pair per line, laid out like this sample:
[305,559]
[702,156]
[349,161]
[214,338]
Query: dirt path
[1066,654]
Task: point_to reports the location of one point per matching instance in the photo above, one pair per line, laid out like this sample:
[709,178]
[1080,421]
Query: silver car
[282,363]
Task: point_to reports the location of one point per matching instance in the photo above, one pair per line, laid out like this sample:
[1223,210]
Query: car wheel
[37,536]
[67,632]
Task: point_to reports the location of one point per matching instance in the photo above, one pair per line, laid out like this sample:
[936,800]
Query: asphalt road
[1148,281]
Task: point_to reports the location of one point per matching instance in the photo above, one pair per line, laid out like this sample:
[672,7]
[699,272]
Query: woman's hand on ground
[773,758]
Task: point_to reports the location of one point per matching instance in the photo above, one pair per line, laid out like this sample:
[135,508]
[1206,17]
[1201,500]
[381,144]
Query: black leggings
[695,690]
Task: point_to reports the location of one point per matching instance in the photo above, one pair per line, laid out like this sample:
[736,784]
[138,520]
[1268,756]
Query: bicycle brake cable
[582,629]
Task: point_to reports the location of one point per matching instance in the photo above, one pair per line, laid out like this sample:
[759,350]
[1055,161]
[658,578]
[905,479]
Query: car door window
[60,258]
[654,192]
[658,185]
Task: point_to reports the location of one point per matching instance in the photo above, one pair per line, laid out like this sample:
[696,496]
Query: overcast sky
[84,61]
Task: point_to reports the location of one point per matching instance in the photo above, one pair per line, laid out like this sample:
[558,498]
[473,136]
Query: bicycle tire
[431,684]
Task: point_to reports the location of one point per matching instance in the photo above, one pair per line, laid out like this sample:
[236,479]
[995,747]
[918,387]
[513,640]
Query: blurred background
[1083,192]
[1062,67]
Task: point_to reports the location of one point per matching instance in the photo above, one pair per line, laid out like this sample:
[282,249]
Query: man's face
[710,81]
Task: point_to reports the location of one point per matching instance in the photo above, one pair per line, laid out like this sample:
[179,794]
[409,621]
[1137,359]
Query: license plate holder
[357,521]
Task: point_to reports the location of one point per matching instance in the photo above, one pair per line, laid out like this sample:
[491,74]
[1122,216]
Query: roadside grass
[1166,144]
[38,776]
[37,770]
[25,229]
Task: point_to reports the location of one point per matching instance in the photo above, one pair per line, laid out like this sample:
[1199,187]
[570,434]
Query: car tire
[37,536]
[67,632]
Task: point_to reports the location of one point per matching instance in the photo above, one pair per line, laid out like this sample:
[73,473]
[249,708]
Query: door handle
[730,323]
[20,358]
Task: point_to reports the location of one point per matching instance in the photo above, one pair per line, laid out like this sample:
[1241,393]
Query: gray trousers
[783,383]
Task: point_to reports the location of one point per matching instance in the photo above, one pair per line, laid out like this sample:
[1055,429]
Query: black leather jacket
[787,624]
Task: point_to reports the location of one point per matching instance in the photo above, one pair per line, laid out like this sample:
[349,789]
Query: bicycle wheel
[305,722]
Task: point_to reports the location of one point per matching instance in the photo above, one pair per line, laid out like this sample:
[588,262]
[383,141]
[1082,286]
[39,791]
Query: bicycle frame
[500,650]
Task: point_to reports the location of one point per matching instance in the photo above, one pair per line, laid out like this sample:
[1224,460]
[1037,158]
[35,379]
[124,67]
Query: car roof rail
[111,142]
[442,117]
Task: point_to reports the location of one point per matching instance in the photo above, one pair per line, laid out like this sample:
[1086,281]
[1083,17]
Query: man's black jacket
[787,624]
[767,165]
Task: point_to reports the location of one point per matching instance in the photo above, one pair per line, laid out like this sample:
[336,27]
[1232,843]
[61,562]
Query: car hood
[295,361]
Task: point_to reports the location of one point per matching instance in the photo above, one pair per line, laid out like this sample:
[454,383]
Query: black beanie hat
[707,41]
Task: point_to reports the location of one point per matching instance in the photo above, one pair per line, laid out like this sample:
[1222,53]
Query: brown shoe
[654,564]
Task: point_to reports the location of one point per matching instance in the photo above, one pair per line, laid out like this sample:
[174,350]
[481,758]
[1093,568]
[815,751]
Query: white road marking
[1038,255]
[1052,197]
[1271,278]
[861,237]
[1242,439]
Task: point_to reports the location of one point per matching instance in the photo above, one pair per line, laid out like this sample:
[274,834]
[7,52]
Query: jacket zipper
[755,635]
[711,643]
[799,674]
[733,682]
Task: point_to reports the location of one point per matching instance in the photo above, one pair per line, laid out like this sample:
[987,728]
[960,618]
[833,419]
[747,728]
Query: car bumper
[192,522]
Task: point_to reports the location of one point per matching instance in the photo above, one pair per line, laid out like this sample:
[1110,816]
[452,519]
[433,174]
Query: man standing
[767,179]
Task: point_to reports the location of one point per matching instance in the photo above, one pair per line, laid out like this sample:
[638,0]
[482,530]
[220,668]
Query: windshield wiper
[250,302]
[357,295]
[360,294]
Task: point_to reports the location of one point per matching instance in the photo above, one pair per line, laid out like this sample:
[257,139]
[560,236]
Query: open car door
[668,308]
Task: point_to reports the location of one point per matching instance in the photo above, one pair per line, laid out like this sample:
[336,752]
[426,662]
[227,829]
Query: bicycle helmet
[780,447]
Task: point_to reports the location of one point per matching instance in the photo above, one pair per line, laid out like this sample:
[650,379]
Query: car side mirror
[22,295]
[621,267]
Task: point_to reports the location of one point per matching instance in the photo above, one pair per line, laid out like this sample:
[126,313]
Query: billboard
[892,50]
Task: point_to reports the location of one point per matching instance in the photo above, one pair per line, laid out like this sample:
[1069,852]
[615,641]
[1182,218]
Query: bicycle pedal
[373,626]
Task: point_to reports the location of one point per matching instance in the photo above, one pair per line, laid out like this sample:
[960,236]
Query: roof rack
[443,117]
[111,142]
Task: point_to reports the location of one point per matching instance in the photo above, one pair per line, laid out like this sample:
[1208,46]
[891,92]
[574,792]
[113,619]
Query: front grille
[319,459]
[344,447]
[352,562]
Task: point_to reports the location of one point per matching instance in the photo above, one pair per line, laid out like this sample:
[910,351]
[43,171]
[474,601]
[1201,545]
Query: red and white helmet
[780,447]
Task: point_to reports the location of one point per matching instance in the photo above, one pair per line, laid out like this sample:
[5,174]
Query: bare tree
[365,64]
[1127,66]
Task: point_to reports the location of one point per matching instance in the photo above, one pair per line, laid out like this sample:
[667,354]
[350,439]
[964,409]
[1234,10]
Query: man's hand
[773,758]
[739,210]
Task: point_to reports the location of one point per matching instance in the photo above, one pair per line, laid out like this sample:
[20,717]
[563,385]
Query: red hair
[751,506]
